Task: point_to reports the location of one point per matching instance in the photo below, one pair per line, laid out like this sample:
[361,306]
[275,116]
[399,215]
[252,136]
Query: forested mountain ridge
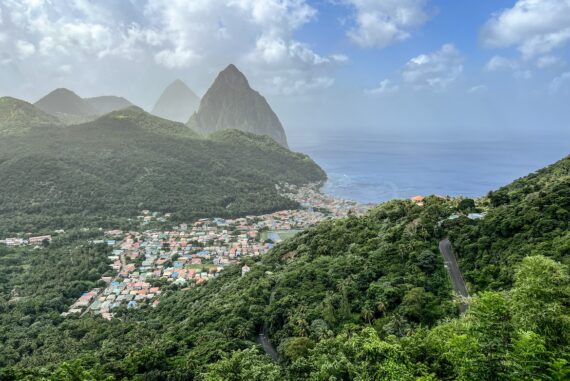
[108,103]
[17,117]
[111,168]
[529,216]
[363,298]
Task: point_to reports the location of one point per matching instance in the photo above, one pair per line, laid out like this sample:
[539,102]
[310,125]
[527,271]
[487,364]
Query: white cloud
[258,33]
[177,58]
[549,61]
[379,23]
[498,63]
[437,70]
[560,83]
[25,49]
[176,34]
[386,86]
[522,74]
[534,27]
[479,89]
[288,86]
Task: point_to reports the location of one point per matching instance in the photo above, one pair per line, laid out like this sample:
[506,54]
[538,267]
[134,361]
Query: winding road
[450,263]
[262,338]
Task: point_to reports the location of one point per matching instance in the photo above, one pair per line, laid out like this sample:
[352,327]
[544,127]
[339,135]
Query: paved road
[452,267]
[266,344]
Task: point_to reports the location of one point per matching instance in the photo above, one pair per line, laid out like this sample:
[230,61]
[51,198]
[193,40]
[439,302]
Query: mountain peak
[233,76]
[65,101]
[177,102]
[230,103]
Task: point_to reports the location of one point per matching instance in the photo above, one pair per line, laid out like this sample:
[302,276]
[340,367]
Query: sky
[420,68]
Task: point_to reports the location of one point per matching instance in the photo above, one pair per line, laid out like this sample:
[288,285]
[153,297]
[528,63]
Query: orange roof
[418,198]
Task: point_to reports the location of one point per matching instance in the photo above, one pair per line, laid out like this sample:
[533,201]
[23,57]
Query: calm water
[375,169]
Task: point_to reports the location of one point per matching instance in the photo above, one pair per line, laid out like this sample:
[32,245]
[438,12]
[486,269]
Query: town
[148,261]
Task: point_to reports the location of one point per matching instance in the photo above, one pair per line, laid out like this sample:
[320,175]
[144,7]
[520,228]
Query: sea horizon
[374,168]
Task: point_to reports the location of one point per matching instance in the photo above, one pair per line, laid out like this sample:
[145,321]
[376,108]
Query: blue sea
[373,169]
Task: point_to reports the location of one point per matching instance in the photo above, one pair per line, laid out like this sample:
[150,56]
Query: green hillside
[17,117]
[529,216]
[102,172]
[364,298]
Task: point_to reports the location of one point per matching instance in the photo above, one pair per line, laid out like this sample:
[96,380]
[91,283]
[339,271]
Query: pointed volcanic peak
[108,103]
[177,102]
[231,103]
[64,101]
[18,116]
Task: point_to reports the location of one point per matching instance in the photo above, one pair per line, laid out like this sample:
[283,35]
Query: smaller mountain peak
[64,91]
[178,82]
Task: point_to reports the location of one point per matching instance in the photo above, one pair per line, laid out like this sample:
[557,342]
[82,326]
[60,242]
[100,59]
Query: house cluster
[148,261]
[311,199]
[28,241]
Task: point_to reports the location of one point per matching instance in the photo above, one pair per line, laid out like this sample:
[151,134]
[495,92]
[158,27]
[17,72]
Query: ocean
[372,169]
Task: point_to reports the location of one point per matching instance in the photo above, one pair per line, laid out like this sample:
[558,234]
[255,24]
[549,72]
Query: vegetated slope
[18,116]
[529,216]
[230,103]
[177,102]
[130,160]
[359,298]
[108,103]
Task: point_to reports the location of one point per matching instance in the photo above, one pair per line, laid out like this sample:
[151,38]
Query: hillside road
[452,267]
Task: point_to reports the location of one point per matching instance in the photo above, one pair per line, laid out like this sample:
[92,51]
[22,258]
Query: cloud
[437,70]
[498,63]
[175,34]
[560,83]
[549,61]
[479,89]
[534,27]
[379,23]
[519,69]
[25,49]
[288,85]
[522,74]
[177,58]
[385,87]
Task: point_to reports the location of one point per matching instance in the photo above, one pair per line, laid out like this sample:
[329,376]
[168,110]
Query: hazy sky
[421,67]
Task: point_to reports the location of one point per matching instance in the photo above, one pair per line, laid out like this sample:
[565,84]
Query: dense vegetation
[18,117]
[531,216]
[362,298]
[103,172]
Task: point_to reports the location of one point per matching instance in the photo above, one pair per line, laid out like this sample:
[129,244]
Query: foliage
[99,173]
[362,298]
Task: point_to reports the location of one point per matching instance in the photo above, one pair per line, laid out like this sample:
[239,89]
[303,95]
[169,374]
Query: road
[266,345]
[452,267]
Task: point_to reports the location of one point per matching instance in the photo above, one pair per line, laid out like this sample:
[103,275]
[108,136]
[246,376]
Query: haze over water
[375,168]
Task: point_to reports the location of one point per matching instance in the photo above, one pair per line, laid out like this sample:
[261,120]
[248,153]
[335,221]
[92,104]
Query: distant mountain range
[177,102]
[231,103]
[70,108]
